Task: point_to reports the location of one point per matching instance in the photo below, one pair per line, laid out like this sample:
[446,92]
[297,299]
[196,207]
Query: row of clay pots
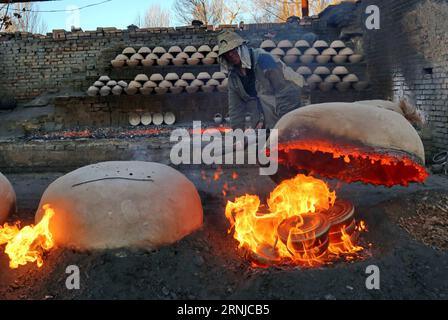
[345,55]
[148,118]
[322,71]
[340,86]
[177,87]
[105,86]
[320,45]
[159,56]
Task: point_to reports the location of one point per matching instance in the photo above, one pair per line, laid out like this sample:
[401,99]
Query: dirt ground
[208,265]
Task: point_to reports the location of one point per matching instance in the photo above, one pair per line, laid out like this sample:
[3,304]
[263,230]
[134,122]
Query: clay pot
[284,44]
[218,76]
[340,71]
[104,79]
[174,50]
[302,44]
[193,61]
[314,78]
[329,52]
[323,59]
[350,78]
[213,83]
[268,45]
[172,76]
[93,91]
[8,196]
[159,51]
[122,57]
[320,45]
[304,71]
[163,62]
[311,52]
[117,90]
[188,76]
[182,55]
[176,89]
[339,59]
[157,119]
[337,44]
[111,83]
[306,59]
[156,77]
[346,52]
[118,63]
[141,78]
[146,91]
[98,84]
[203,76]
[137,56]
[322,71]
[133,63]
[355,58]
[165,84]
[204,49]
[105,91]
[160,90]
[179,61]
[290,59]
[181,83]
[208,60]
[122,84]
[169,118]
[332,78]
[150,84]
[131,90]
[190,50]
[146,118]
[129,51]
[144,51]
[279,53]
[191,89]
[148,62]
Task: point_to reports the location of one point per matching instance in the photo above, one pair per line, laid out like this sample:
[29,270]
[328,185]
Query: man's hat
[228,41]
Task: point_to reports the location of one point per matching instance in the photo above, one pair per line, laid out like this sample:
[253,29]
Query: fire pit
[302,224]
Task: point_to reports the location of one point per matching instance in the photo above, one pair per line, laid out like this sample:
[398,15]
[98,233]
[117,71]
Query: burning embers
[29,243]
[302,224]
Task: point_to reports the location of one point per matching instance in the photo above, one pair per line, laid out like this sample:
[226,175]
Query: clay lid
[121,57]
[129,51]
[159,50]
[122,83]
[284,44]
[182,55]
[332,79]
[216,49]
[137,56]
[188,76]
[150,84]
[151,56]
[174,50]
[346,52]
[212,55]
[337,44]
[350,78]
[278,52]
[304,70]
[190,49]
[141,78]
[156,77]
[165,84]
[212,82]
[98,84]
[111,83]
[197,83]
[134,84]
[293,52]
[204,48]
[268,44]
[197,55]
[340,70]
[218,75]
[144,50]
[181,83]
[322,71]
[314,78]
[172,76]
[104,79]
[329,52]
[302,44]
[311,52]
[313,226]
[167,56]
[320,44]
[203,76]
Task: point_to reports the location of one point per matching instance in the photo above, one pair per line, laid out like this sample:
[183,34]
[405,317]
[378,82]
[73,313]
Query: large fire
[300,224]
[29,243]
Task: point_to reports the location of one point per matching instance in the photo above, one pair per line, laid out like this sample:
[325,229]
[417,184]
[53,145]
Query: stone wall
[409,56]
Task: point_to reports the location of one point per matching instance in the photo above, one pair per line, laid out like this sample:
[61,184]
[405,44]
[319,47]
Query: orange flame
[27,244]
[299,204]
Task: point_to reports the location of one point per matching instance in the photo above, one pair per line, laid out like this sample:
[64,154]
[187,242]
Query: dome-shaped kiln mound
[350,142]
[122,204]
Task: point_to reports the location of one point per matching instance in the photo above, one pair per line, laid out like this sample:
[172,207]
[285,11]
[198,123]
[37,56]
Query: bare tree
[280,10]
[210,12]
[233,10]
[155,16]
[22,17]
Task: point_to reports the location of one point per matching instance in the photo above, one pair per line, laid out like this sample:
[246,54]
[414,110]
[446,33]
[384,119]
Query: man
[259,80]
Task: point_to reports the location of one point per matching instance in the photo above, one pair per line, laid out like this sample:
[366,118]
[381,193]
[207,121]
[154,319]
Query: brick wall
[409,55]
